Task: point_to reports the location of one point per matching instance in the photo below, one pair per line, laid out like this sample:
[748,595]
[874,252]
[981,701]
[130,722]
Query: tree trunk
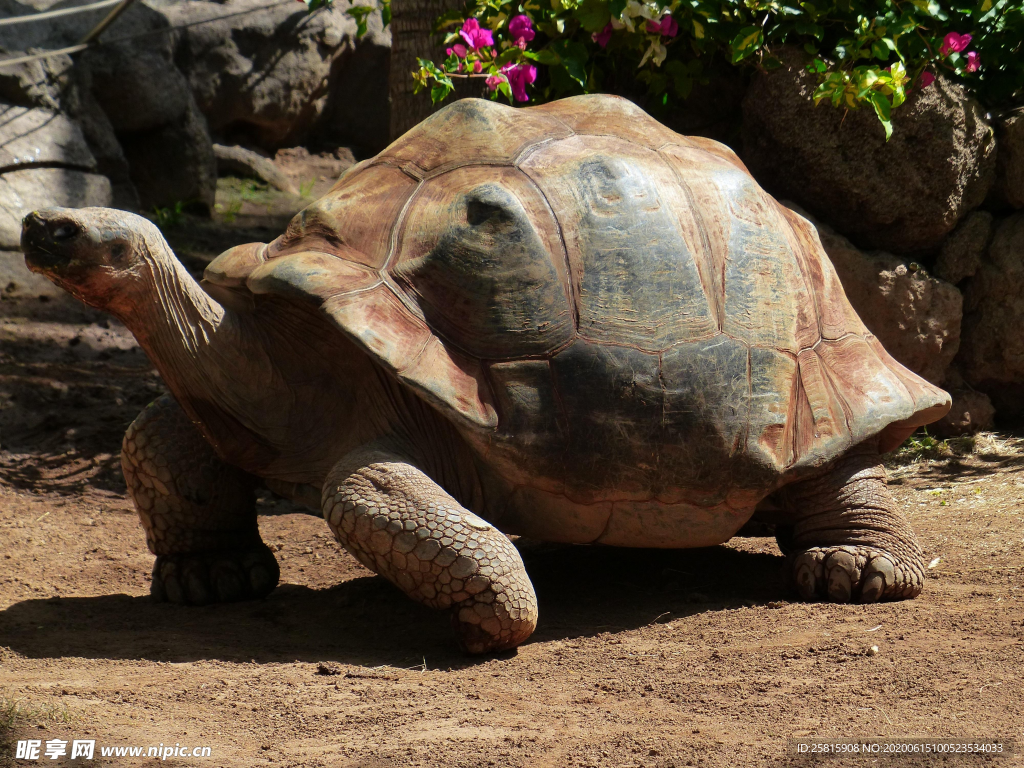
[411,22]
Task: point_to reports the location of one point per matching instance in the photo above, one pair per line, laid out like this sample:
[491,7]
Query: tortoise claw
[226,576]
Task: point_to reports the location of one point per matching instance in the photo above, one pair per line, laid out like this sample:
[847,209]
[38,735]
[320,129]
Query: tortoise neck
[176,324]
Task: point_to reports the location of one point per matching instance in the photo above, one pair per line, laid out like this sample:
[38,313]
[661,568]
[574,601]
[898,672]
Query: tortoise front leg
[849,541]
[398,522]
[199,513]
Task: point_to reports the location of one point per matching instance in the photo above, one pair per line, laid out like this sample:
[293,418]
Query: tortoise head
[102,256]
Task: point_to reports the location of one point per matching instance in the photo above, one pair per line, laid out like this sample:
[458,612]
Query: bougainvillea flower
[475,36]
[519,76]
[458,49]
[477,67]
[521,28]
[973,61]
[926,79]
[494,81]
[954,42]
[667,27]
[602,37]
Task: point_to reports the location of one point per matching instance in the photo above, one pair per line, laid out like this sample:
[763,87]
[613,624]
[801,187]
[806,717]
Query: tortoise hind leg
[401,524]
[849,540]
[199,513]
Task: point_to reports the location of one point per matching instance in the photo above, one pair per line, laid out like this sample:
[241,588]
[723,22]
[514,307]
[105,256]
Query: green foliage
[171,216]
[865,53]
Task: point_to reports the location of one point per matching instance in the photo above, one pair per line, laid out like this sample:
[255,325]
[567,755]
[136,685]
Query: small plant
[166,218]
[306,188]
[864,52]
[230,211]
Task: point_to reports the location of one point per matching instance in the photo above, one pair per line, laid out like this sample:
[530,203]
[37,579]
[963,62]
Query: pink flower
[602,37]
[476,37]
[521,28]
[973,61]
[494,81]
[667,27]
[926,79]
[519,76]
[477,66]
[458,49]
[954,42]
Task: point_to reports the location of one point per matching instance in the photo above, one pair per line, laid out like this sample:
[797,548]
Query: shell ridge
[570,284]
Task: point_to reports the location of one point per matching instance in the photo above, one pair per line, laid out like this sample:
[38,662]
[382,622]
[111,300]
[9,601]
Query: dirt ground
[642,658]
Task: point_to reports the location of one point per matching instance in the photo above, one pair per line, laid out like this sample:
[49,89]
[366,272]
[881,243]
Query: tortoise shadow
[582,591]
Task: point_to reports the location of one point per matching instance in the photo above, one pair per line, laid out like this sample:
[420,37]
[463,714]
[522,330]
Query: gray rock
[992,351]
[30,137]
[971,411]
[273,76]
[56,84]
[16,282]
[1009,188]
[244,162]
[138,91]
[174,163]
[21,192]
[963,250]
[903,195]
[915,316]
[127,91]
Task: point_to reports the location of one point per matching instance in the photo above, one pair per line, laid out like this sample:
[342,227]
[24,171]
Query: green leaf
[506,90]
[439,93]
[449,19]
[593,15]
[745,43]
[682,81]
[880,50]
[544,56]
[574,58]
[698,30]
[385,12]
[883,110]
[616,7]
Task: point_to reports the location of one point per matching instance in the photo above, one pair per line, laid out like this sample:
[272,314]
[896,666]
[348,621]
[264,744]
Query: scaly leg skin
[199,513]
[850,542]
[398,522]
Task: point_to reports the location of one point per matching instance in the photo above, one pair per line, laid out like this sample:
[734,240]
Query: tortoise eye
[118,253]
[64,232]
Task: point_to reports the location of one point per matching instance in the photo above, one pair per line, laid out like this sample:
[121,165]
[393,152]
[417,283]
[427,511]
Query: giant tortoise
[565,322]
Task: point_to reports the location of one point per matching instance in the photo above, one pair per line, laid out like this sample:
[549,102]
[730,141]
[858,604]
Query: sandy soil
[642,658]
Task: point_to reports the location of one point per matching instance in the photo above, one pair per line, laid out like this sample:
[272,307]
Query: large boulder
[55,84]
[135,92]
[271,76]
[903,195]
[915,316]
[1009,188]
[44,161]
[992,351]
[964,249]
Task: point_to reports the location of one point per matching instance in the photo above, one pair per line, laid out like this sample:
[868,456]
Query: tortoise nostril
[64,232]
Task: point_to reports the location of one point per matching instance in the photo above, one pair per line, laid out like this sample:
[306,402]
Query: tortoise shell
[613,315]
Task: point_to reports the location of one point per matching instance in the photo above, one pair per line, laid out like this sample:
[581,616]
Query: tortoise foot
[227,576]
[854,574]
[488,626]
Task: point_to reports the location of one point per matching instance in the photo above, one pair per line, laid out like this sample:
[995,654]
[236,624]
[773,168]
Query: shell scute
[470,132]
[634,251]
[358,214]
[480,256]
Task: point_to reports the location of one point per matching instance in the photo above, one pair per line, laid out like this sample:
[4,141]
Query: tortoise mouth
[46,237]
